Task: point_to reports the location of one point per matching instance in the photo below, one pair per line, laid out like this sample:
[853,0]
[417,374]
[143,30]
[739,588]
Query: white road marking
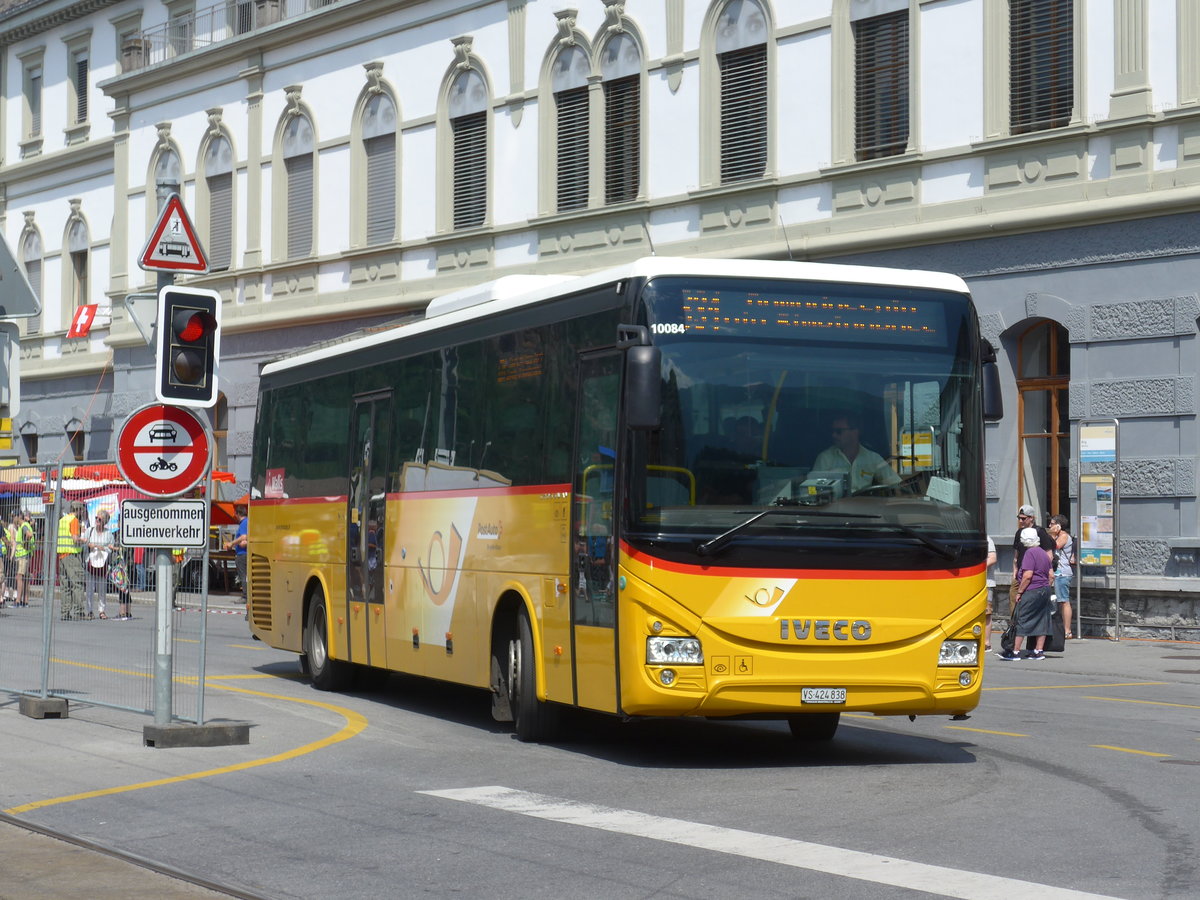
[903,873]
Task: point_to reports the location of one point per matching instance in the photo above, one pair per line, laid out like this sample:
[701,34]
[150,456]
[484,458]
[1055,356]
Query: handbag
[1009,638]
[97,560]
[119,575]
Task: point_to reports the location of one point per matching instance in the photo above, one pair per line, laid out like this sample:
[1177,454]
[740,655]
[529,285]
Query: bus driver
[864,467]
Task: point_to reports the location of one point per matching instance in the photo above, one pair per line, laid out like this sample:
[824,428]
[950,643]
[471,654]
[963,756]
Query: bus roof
[514,291]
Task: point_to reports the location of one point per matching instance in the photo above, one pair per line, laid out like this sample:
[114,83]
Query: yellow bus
[683,487]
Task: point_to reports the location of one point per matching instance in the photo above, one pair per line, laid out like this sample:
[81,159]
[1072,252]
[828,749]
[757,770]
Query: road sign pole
[164,595]
[163,661]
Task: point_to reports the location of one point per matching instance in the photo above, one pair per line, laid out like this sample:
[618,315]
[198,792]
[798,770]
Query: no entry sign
[163,450]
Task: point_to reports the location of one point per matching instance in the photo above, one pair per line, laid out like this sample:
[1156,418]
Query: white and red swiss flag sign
[81,322]
[163,450]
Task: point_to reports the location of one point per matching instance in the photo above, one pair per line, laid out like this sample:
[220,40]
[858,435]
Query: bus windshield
[809,415]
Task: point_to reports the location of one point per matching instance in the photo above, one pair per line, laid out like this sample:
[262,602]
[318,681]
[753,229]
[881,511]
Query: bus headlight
[959,653]
[674,651]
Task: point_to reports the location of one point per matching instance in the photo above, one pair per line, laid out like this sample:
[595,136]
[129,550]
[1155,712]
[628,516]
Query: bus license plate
[822,695]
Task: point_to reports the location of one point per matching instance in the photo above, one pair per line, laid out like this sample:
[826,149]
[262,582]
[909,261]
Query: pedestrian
[22,553]
[238,545]
[1033,598]
[70,565]
[99,543]
[1026,518]
[1064,568]
[8,533]
[139,569]
[991,593]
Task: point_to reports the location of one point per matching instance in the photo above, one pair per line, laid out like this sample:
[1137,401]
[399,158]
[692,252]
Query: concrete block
[181,734]
[43,707]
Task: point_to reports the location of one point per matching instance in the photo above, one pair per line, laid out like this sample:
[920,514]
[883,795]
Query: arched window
[621,70]
[379,147]
[298,168]
[468,106]
[741,47]
[167,170]
[77,246]
[218,178]
[569,82]
[1043,386]
[31,257]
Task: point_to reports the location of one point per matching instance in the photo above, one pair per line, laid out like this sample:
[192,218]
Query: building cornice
[66,160]
[27,19]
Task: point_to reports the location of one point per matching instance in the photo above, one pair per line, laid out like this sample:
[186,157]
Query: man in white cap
[1026,518]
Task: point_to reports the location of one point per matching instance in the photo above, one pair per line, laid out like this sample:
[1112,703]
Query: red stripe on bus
[655,562]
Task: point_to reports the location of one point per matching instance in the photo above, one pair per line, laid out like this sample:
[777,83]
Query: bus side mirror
[993,401]
[643,387]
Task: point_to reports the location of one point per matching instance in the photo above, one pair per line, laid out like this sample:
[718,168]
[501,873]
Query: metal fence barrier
[77,643]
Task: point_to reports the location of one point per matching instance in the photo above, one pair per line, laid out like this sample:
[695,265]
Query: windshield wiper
[715,544]
[712,546]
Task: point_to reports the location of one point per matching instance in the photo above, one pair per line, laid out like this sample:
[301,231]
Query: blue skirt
[1033,612]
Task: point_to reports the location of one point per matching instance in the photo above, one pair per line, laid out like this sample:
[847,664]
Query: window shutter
[622,139]
[881,85]
[470,169]
[743,113]
[299,205]
[35,104]
[81,88]
[572,107]
[381,188]
[220,221]
[1041,64]
[33,272]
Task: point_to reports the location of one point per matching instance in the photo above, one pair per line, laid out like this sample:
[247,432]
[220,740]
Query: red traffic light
[188,349]
[191,325]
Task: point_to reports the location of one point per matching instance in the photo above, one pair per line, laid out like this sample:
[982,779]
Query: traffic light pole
[164,591]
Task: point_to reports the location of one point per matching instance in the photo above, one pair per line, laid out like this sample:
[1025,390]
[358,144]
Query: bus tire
[327,674]
[534,719]
[814,726]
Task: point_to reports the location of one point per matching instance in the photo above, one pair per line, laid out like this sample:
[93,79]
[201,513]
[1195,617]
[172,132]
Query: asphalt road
[1076,776]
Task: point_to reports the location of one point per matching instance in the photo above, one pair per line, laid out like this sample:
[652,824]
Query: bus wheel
[814,726]
[535,720]
[327,674]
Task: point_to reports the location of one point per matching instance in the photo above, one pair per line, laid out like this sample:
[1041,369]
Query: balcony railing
[209,26]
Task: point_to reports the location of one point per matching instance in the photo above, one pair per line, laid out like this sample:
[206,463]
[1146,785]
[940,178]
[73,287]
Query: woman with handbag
[98,542]
[1032,612]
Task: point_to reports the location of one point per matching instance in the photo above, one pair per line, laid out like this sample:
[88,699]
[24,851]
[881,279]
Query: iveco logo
[824,629]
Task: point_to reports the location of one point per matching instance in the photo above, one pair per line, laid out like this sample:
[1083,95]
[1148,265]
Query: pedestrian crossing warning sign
[173,243]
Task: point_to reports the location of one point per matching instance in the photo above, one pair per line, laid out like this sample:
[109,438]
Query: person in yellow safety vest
[70,564]
[22,553]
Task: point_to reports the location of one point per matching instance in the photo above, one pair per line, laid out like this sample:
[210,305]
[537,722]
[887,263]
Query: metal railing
[208,27]
[54,640]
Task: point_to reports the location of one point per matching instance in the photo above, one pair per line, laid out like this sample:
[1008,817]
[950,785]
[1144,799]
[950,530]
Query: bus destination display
[818,316]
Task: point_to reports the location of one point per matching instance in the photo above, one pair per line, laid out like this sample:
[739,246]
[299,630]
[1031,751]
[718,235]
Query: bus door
[365,516]
[593,560]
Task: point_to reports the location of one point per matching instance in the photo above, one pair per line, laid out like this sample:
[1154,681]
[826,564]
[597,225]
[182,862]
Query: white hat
[1029,537]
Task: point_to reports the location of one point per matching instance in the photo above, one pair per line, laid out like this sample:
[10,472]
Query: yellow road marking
[1076,687]
[986,731]
[1148,702]
[355,723]
[258,647]
[1128,750]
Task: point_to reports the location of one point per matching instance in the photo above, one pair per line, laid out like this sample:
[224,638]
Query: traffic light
[189,346]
